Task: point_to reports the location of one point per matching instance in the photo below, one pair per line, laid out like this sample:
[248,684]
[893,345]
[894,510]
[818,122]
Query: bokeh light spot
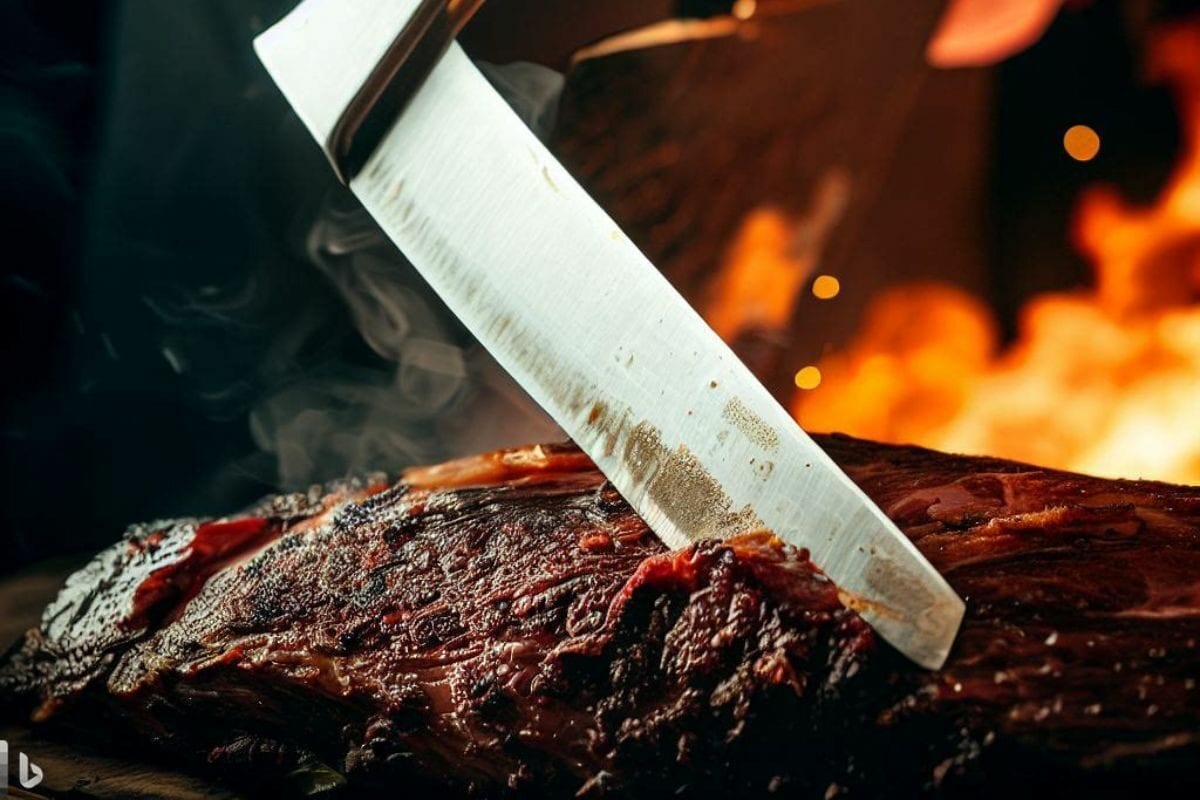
[1081,142]
[808,378]
[826,287]
[744,9]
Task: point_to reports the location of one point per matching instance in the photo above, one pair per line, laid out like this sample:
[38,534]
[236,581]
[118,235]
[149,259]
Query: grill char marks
[506,625]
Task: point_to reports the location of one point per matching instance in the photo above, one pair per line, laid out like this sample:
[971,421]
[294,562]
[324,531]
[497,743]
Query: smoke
[191,315]
[427,391]
[533,91]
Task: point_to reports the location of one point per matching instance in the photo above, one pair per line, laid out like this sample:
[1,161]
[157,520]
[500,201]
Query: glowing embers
[1148,259]
[1081,142]
[826,287]
[912,355]
[771,260]
[758,287]
[744,9]
[1079,389]
[808,378]
[1104,380]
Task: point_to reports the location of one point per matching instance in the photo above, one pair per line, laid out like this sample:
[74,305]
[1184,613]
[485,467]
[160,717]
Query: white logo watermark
[29,774]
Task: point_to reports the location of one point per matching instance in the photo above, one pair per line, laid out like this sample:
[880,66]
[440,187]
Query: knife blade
[541,275]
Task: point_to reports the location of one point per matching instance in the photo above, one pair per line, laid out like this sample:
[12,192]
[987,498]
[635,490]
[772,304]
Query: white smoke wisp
[427,392]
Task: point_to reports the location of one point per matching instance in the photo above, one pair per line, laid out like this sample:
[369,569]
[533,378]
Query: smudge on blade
[752,426]
[683,489]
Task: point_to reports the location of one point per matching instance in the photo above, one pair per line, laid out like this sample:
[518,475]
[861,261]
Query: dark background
[149,181]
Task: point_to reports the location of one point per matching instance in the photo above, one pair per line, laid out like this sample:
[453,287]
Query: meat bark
[507,626]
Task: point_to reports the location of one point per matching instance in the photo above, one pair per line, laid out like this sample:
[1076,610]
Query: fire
[1103,381]
[1081,388]
[769,261]
[1148,260]
[760,287]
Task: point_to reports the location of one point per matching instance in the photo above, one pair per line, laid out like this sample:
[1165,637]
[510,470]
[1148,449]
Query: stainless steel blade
[569,306]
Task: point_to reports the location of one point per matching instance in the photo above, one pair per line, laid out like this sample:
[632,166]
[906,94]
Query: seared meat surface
[507,626]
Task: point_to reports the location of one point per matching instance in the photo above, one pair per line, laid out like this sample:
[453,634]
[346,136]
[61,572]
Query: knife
[539,273]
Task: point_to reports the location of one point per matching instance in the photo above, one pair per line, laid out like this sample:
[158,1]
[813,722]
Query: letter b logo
[29,774]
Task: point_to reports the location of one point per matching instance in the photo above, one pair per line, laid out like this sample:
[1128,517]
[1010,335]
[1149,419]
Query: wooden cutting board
[73,770]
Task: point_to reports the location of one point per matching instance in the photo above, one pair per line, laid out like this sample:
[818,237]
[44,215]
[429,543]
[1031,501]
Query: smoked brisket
[507,626]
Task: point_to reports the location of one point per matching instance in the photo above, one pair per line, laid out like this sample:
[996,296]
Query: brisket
[507,626]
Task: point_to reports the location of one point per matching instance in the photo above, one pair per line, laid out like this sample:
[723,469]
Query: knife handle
[383,96]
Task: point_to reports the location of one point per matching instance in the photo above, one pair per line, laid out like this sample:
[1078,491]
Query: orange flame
[1149,259]
[769,261]
[1103,381]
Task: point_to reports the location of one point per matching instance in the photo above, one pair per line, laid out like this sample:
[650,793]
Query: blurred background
[194,315]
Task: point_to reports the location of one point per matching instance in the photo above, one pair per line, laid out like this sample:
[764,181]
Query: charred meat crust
[507,626]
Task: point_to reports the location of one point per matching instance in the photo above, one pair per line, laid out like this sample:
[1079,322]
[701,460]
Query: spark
[744,9]
[826,287]
[1081,142]
[808,378]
